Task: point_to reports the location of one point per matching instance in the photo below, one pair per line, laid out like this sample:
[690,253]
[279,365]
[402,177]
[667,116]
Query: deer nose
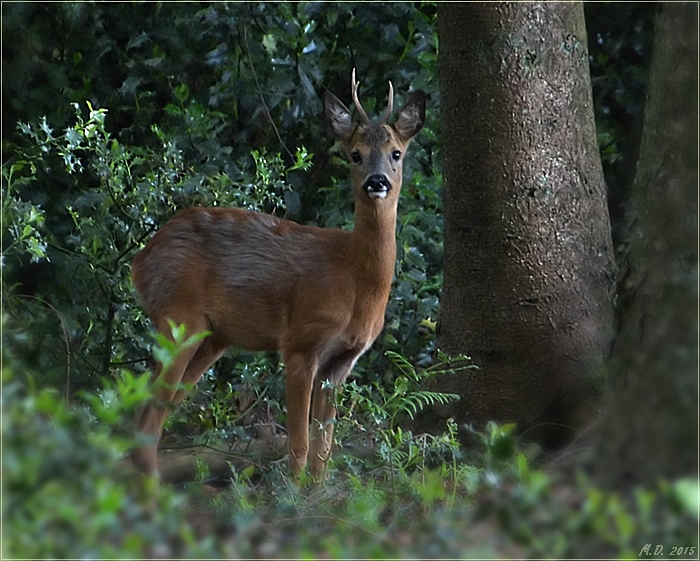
[377,186]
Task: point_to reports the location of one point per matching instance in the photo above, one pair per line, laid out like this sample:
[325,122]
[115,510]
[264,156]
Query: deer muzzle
[377,186]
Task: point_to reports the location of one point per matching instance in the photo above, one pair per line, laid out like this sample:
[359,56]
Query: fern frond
[417,401]
[450,364]
[402,363]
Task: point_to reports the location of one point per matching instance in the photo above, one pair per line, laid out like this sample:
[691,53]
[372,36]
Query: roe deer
[261,283]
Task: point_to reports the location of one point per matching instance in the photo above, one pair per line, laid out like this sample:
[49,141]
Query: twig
[262,98]
[64,329]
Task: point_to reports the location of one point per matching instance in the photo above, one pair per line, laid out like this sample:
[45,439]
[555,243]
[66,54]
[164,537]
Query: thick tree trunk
[650,425]
[529,266]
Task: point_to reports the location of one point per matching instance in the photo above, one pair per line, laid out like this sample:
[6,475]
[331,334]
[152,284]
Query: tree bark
[650,425]
[529,265]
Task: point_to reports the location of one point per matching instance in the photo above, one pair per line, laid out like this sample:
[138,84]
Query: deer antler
[390,105]
[363,116]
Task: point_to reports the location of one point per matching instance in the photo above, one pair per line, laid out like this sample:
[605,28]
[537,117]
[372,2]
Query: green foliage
[23,220]
[67,496]
[371,414]
[124,193]
[619,44]
[64,494]
[405,396]
[498,440]
[64,476]
[130,112]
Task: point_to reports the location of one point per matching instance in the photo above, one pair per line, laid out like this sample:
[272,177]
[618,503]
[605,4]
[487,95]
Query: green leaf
[44,126]
[137,41]
[73,137]
[687,492]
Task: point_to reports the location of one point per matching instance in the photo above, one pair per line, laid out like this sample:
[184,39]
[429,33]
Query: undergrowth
[67,494]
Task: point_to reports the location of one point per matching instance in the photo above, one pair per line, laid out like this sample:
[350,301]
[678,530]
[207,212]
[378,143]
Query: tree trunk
[529,265]
[650,425]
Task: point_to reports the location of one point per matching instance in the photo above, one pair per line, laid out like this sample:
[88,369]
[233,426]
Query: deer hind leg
[330,375]
[165,394]
[207,354]
[301,369]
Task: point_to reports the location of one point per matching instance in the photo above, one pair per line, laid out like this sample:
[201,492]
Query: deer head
[375,149]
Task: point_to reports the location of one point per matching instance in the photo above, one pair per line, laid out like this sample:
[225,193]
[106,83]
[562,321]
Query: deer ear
[411,116]
[338,117]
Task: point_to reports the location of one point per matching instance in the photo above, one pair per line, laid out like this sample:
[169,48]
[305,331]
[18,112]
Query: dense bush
[619,43]
[67,496]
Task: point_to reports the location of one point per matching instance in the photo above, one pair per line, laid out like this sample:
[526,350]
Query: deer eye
[396,155]
[355,156]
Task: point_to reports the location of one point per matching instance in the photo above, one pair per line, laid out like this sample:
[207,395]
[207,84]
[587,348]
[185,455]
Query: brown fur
[258,282]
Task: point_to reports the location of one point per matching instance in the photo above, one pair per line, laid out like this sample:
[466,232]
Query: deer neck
[373,242]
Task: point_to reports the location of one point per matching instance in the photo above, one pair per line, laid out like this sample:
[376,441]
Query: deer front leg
[300,375]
